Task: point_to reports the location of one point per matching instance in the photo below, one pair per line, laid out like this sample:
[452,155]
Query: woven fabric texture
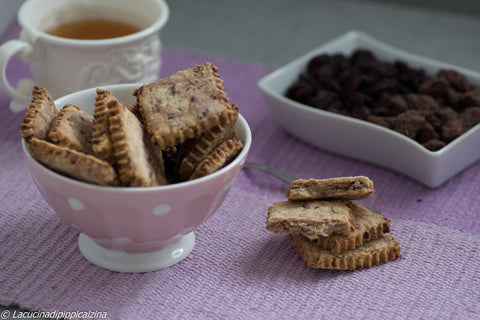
[238,269]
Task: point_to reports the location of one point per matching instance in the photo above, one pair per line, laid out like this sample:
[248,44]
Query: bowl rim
[243,154]
[265,84]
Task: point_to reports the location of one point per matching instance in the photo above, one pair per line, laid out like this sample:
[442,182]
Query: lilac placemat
[239,270]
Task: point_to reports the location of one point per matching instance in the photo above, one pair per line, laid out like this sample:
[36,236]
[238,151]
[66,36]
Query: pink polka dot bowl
[132,229]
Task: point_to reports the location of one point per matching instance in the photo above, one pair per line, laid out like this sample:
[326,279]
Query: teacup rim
[142,34]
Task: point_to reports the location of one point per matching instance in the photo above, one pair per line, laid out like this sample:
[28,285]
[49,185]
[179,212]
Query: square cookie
[184,105]
[347,188]
[313,219]
[380,250]
[368,226]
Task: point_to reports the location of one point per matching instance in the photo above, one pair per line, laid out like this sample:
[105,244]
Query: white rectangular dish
[363,140]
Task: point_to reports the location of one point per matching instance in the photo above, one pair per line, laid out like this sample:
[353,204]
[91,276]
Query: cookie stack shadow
[329,229]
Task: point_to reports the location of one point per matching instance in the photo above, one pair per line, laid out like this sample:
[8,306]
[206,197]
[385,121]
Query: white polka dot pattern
[75,204]
[161,209]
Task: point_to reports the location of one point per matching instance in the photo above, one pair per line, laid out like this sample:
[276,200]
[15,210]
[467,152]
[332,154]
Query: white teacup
[64,65]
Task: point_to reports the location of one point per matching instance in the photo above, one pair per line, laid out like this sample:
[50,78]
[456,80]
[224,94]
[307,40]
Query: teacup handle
[22,93]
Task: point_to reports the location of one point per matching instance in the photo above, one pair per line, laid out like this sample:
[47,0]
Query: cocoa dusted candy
[301,90]
[409,123]
[446,113]
[454,79]
[422,102]
[456,126]
[434,144]
[398,103]
[435,87]
[468,99]
[387,122]
[452,129]
[432,110]
[426,133]
[325,99]
[470,117]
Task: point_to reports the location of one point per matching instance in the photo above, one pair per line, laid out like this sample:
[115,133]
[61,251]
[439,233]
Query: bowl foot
[120,261]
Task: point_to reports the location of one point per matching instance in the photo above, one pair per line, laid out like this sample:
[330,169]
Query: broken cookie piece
[39,115]
[374,252]
[75,164]
[368,226]
[184,105]
[72,128]
[221,156]
[313,219]
[101,140]
[138,161]
[194,151]
[347,188]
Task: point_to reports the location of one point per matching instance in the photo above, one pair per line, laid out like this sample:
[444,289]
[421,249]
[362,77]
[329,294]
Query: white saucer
[121,261]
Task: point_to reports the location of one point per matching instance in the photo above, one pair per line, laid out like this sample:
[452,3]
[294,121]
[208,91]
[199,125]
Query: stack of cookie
[180,128]
[329,231]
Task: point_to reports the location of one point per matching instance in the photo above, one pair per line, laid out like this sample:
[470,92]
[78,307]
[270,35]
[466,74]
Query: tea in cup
[93,29]
[72,45]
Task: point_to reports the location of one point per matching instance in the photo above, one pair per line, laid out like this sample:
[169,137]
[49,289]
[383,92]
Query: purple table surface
[238,269]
